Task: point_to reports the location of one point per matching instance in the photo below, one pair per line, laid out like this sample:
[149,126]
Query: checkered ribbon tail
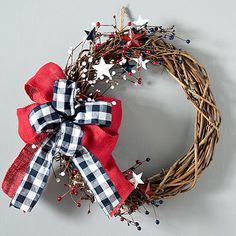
[62,119]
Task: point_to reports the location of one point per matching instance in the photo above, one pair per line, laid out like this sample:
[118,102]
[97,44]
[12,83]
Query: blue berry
[136,224]
[156,202]
[139,228]
[147,212]
[157,222]
[171,37]
[161,201]
[122,42]
[188,41]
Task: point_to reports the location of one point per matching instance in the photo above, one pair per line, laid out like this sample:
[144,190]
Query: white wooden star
[124,209]
[140,62]
[140,21]
[103,69]
[136,179]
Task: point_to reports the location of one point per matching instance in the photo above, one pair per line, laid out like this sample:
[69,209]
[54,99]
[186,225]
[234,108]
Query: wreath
[73,125]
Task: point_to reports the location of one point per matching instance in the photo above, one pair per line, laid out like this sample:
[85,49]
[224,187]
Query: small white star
[102,68]
[140,21]
[124,209]
[140,62]
[136,180]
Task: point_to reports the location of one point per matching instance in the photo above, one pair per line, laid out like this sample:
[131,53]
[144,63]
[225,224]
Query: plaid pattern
[35,178]
[66,140]
[44,118]
[93,113]
[97,179]
[63,96]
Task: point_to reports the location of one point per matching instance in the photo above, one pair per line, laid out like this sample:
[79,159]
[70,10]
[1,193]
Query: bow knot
[67,116]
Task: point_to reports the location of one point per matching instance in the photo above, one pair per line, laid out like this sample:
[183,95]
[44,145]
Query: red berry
[130,172]
[129,23]
[148,51]
[78,204]
[139,81]
[75,171]
[98,45]
[118,61]
[122,218]
[73,188]
[138,162]
[59,198]
[154,62]
[98,24]
[130,73]
[111,35]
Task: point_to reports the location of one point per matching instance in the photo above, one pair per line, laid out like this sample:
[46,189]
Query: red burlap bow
[98,140]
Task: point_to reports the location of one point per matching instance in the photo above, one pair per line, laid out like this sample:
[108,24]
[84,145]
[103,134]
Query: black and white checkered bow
[62,118]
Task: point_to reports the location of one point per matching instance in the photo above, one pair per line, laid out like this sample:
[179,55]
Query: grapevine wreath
[73,125]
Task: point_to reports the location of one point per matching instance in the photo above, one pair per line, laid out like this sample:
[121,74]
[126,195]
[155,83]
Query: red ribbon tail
[18,168]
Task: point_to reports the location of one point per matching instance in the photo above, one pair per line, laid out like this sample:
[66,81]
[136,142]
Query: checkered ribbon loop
[62,119]
[48,116]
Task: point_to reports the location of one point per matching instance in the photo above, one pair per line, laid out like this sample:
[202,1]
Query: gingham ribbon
[62,119]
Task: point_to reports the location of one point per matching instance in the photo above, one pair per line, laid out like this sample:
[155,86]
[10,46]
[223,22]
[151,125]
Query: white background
[157,119]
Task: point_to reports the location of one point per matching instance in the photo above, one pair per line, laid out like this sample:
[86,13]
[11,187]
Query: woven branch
[194,80]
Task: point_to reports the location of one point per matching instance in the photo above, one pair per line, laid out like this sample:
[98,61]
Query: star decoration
[132,39]
[148,193]
[91,34]
[140,62]
[124,209]
[136,179]
[102,68]
[140,21]
[127,67]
